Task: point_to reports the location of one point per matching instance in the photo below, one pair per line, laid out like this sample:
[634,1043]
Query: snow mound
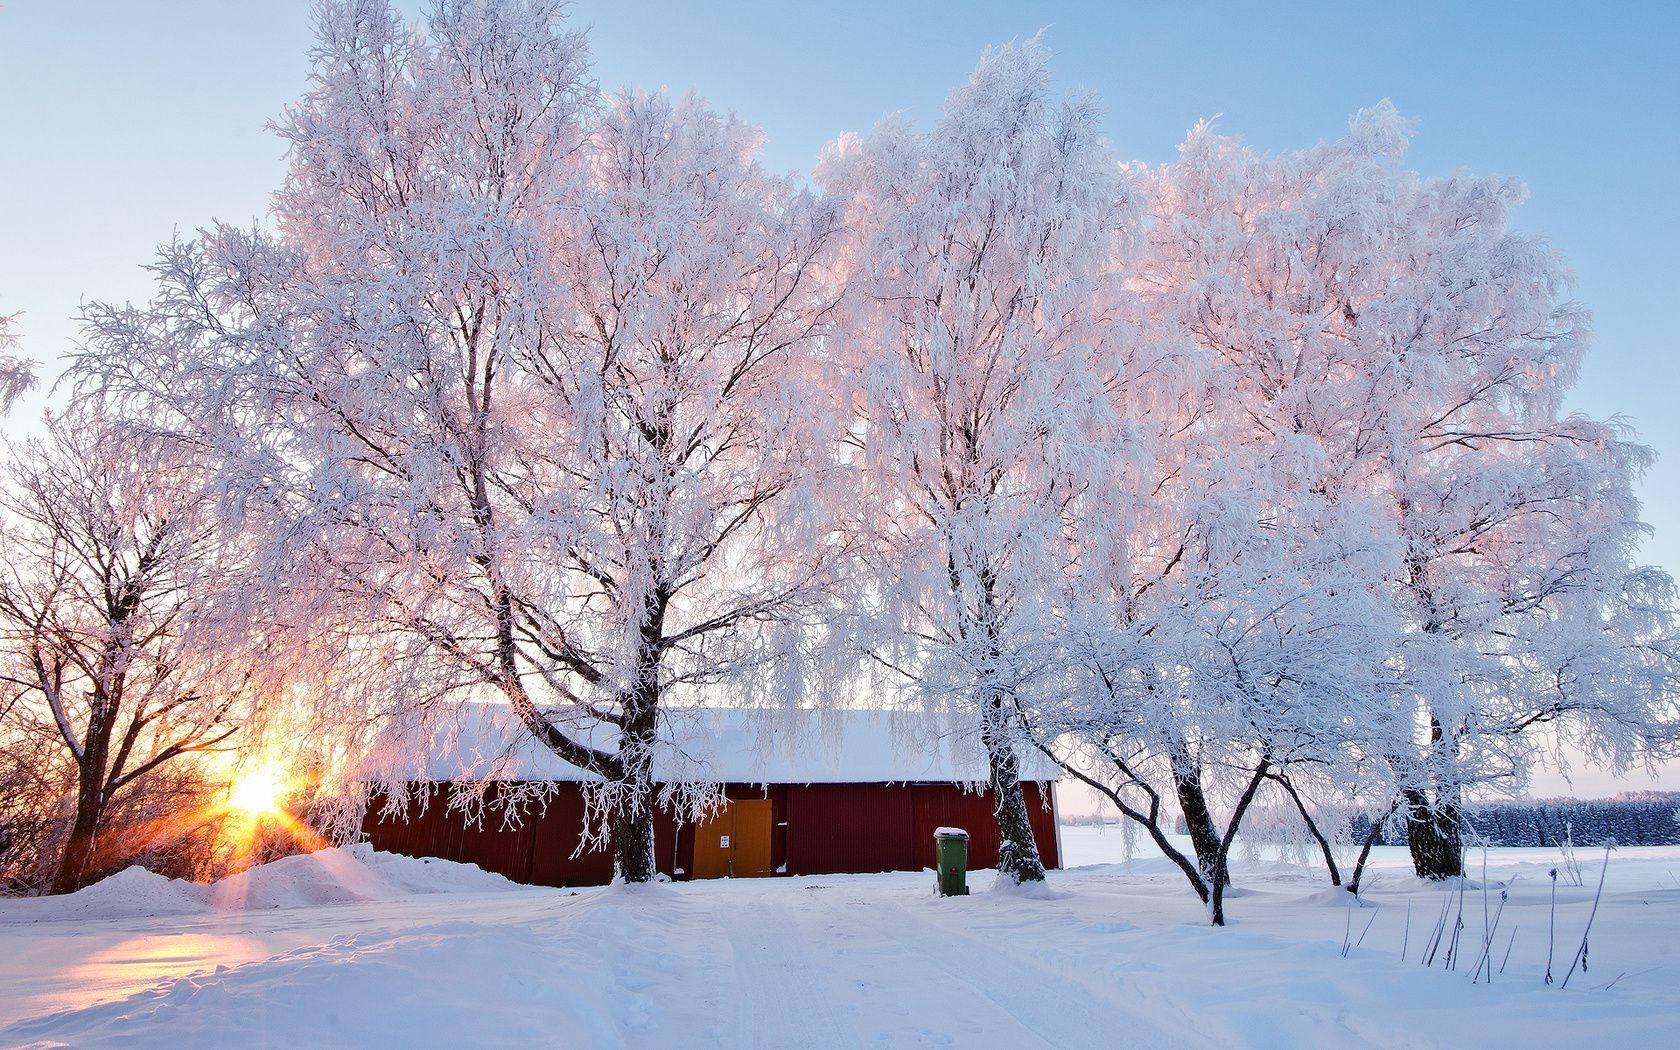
[131,893]
[432,874]
[1037,890]
[339,875]
[140,890]
[1336,897]
[349,875]
[328,876]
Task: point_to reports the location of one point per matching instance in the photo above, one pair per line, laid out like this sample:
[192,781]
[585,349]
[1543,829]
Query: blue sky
[122,122]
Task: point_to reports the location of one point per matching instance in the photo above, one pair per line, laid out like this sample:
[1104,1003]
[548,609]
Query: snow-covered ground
[350,948]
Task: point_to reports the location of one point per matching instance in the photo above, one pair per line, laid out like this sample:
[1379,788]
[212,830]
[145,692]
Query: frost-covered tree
[1214,684]
[1518,523]
[124,639]
[17,374]
[1259,452]
[973,280]
[1218,625]
[690,383]
[1245,469]
[1416,351]
[531,381]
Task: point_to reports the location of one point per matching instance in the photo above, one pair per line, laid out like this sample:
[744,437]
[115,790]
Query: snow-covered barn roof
[746,746]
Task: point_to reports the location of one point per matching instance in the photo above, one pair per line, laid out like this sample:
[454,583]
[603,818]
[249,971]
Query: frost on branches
[17,374]
[1243,481]
[125,644]
[529,378]
[686,379]
[1410,354]
[1218,624]
[976,254]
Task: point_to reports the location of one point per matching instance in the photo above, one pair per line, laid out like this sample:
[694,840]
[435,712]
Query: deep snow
[353,948]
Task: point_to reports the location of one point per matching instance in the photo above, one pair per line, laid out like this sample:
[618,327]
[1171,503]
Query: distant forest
[1633,818]
[1638,818]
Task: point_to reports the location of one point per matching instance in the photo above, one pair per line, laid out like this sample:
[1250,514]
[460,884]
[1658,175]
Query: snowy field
[348,948]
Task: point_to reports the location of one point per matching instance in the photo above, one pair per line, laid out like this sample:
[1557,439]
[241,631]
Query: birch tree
[528,378]
[123,635]
[701,447]
[1218,625]
[17,374]
[977,253]
[1415,352]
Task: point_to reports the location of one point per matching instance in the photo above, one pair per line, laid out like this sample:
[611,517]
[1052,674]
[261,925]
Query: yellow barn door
[734,841]
[751,841]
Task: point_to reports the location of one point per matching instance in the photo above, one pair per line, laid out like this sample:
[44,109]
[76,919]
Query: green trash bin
[950,851]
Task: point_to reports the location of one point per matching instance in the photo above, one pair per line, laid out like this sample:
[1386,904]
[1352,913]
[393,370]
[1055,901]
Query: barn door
[713,837]
[751,841]
[734,841]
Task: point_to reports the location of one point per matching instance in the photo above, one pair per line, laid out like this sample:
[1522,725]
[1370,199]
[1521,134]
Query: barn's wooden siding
[889,827]
[849,827]
[817,829]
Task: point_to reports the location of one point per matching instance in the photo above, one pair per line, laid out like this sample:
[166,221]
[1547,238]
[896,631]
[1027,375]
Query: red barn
[812,793]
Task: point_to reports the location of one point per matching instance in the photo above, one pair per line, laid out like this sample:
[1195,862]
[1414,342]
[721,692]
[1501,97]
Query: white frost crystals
[17,374]
[1240,479]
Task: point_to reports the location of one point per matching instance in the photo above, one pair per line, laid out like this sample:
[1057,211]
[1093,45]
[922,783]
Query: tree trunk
[1312,827]
[1018,859]
[1432,832]
[1371,835]
[1151,820]
[76,865]
[1222,857]
[633,856]
[1192,802]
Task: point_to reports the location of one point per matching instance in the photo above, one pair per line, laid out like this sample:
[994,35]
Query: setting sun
[257,791]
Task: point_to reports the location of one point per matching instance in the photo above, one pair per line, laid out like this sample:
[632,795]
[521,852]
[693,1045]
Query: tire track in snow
[779,1004]
[1056,1009]
[813,974]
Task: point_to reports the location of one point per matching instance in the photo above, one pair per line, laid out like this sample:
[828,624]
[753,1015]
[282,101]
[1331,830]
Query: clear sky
[124,121]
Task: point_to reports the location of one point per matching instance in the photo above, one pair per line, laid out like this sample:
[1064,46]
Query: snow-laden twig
[1551,938]
[1406,936]
[1581,952]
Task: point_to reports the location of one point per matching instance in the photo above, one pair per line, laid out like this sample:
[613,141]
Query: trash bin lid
[949,833]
